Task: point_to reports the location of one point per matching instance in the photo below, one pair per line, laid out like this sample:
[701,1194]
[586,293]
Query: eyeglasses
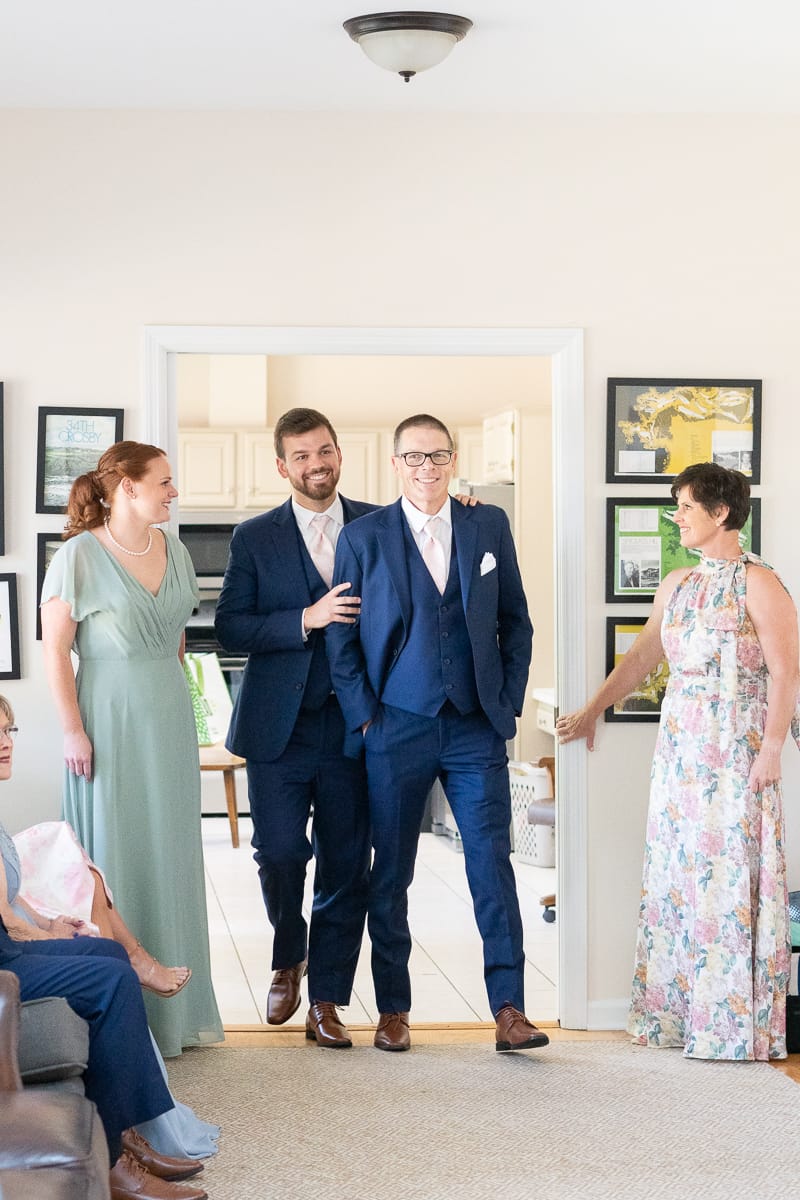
[415,458]
[10,732]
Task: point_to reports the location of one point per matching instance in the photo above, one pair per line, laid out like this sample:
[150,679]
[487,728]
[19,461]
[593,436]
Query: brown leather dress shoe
[392,1032]
[130,1181]
[162,1165]
[283,1000]
[515,1032]
[324,1027]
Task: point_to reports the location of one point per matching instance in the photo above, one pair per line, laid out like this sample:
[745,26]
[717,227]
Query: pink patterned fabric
[433,554]
[713,948]
[55,870]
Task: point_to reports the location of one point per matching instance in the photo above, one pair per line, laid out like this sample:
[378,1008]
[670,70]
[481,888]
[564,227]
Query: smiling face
[698,526]
[152,494]
[426,486]
[312,463]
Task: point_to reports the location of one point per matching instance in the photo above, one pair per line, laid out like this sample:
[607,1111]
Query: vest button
[445,634]
[446,661]
[298,687]
[443,608]
[449,687]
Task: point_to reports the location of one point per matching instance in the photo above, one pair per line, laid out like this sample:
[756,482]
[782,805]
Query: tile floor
[446,968]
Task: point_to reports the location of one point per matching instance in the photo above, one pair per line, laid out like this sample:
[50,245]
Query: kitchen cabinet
[229,469]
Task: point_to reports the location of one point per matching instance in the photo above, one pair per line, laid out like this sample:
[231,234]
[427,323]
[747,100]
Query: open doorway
[563,349]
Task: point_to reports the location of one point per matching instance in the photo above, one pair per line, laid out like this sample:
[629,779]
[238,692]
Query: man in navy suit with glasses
[431,679]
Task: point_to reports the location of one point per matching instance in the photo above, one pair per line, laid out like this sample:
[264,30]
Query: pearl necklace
[124,549]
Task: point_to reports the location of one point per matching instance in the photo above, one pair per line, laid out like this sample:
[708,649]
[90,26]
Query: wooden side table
[217,758]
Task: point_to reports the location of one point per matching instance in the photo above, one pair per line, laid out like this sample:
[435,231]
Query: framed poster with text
[658,427]
[643,704]
[643,544]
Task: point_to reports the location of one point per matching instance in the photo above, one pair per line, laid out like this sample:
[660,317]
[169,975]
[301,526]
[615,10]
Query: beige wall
[672,240]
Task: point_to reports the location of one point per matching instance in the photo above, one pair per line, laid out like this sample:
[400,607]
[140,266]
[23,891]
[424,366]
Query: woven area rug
[576,1121]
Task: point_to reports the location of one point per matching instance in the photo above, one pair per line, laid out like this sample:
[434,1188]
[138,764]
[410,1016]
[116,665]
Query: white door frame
[565,349]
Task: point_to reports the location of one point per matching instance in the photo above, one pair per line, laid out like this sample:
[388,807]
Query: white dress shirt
[304,517]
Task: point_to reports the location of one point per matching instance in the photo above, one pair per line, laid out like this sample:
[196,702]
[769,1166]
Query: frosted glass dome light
[407,42]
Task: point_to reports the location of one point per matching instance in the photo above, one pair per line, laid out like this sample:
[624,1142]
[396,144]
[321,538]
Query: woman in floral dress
[713,948]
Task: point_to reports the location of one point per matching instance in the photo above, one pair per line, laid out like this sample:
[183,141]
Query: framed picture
[644,704]
[2,481]
[643,544]
[46,546]
[9,628]
[70,443]
[657,427]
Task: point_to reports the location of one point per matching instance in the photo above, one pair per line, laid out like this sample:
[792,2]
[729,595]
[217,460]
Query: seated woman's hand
[67,927]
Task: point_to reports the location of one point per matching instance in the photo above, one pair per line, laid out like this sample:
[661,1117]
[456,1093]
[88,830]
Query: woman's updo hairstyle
[90,497]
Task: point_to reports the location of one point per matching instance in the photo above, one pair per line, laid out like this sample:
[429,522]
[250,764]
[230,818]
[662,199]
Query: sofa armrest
[9,1032]
[53,1041]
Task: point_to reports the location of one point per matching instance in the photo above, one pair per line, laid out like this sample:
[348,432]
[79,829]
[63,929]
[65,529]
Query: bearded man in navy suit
[275,604]
[431,679]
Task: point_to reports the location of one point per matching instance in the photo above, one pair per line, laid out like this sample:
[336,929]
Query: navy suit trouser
[405,753]
[312,775]
[94,976]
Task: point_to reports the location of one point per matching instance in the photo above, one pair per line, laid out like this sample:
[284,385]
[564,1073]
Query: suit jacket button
[298,687]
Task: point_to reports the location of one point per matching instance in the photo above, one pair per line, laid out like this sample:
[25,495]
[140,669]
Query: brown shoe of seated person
[324,1027]
[515,1032]
[392,1032]
[162,1165]
[283,1000]
[130,1181]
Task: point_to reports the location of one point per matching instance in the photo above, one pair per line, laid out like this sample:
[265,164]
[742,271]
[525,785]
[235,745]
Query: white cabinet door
[361,464]
[469,443]
[260,485]
[207,468]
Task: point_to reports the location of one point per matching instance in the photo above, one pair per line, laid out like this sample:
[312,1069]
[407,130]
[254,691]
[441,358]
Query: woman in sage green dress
[119,593]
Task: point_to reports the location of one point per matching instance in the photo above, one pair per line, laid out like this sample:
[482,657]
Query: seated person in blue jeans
[94,976]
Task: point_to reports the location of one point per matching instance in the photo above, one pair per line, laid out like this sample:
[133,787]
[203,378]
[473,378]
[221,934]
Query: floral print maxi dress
[713,949]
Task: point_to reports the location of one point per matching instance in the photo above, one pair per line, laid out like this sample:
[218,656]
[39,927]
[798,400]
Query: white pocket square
[488,563]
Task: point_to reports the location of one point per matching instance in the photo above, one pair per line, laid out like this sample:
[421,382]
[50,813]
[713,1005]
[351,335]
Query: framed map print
[657,427]
[643,544]
[643,704]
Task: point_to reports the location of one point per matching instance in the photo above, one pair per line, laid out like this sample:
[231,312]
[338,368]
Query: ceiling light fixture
[407,42]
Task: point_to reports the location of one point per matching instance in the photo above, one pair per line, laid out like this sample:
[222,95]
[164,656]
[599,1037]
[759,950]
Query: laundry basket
[535,844]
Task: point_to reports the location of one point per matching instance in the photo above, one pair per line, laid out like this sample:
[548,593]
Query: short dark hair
[422,421]
[712,485]
[297,421]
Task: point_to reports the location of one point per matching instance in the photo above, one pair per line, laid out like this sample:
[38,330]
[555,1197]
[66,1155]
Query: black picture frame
[70,441]
[657,427]
[658,550]
[46,546]
[2,480]
[9,628]
[644,703]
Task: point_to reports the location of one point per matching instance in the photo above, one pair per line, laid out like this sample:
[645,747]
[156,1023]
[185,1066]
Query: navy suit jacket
[265,590]
[371,554]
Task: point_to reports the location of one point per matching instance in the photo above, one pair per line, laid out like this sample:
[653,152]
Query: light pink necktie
[321,547]
[433,554]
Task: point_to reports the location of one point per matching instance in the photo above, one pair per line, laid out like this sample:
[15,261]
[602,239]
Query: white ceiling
[521,56]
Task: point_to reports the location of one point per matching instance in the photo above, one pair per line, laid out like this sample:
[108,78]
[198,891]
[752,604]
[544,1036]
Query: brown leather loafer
[162,1165]
[392,1032]
[283,1000]
[324,1027]
[130,1181]
[515,1032]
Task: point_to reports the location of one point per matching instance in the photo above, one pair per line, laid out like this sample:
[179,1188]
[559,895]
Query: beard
[316,489]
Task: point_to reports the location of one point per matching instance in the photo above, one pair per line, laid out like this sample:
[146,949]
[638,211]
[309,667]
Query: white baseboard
[608,1014]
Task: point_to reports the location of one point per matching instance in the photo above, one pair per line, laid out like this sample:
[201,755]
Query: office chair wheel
[548,904]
